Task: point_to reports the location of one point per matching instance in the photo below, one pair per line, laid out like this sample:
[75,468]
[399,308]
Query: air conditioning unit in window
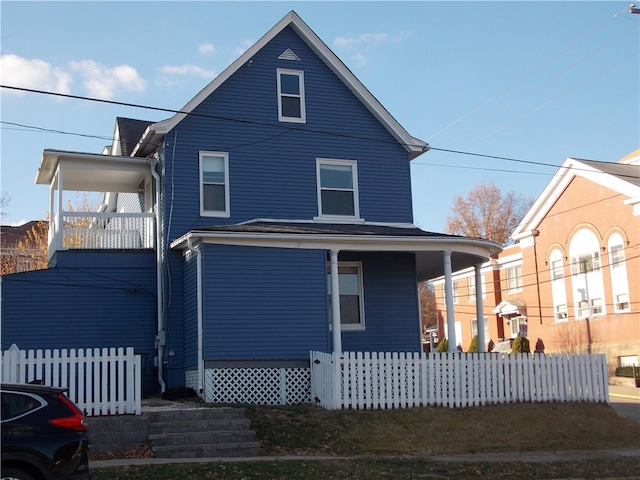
[622,306]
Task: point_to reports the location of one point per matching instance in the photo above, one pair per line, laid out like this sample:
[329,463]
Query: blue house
[270,217]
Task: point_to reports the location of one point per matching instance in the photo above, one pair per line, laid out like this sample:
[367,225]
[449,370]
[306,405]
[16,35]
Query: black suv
[44,435]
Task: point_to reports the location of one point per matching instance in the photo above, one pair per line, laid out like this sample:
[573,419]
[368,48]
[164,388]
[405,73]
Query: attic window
[291,96]
[288,55]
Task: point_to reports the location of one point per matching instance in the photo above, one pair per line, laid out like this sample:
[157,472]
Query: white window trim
[213,213]
[356,197]
[618,273]
[519,287]
[303,111]
[352,327]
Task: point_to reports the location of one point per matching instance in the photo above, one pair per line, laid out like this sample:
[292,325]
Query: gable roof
[623,178]
[130,132]
[414,146]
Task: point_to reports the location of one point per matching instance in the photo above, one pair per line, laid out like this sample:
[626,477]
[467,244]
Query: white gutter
[198,254]
[484,249]
[160,336]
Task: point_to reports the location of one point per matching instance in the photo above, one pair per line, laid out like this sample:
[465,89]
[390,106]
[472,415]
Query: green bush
[520,345]
[473,347]
[627,372]
[443,345]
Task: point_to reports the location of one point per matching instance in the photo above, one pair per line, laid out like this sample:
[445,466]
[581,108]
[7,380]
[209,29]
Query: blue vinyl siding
[90,299]
[190,310]
[264,303]
[391,304]
[174,322]
[272,164]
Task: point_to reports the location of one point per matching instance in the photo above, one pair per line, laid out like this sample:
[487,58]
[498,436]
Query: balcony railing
[91,230]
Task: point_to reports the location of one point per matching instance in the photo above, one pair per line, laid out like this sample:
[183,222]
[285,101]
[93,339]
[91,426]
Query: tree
[5,199]
[428,309]
[486,213]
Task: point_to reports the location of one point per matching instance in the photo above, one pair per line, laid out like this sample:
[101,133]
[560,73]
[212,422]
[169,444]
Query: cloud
[35,74]
[206,48]
[238,51]
[187,69]
[359,46]
[364,40]
[104,82]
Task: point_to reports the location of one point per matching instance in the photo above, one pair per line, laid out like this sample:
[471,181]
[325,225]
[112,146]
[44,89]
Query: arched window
[586,275]
[558,288]
[618,269]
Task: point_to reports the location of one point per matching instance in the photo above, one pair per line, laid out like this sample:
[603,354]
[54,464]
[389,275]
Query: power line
[286,128]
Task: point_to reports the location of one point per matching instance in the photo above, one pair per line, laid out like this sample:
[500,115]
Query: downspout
[160,336]
[198,254]
[535,261]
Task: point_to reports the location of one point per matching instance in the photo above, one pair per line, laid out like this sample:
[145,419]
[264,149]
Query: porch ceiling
[92,172]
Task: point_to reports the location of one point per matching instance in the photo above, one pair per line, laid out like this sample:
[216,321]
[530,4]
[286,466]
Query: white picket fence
[366,380]
[101,381]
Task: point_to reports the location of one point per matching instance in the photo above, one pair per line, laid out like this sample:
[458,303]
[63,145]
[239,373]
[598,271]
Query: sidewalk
[623,391]
[532,457]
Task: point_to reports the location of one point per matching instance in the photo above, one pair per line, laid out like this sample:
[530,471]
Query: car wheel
[15,474]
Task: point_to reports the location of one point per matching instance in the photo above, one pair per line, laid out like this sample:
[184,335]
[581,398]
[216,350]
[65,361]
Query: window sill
[215,214]
[337,219]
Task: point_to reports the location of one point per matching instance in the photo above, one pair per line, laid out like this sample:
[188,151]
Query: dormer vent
[288,55]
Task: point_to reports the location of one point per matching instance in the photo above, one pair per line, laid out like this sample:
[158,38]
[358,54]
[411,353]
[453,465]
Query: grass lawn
[398,443]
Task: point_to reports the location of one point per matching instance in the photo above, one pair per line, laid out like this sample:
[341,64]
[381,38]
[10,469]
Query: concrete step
[245,449]
[182,426]
[197,414]
[202,432]
[202,438]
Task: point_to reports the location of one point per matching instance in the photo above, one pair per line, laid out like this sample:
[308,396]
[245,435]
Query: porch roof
[92,172]
[427,246]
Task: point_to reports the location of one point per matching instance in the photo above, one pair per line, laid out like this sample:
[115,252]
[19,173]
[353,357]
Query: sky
[532,83]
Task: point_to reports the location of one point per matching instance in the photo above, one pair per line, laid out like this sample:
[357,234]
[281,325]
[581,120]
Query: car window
[16,404]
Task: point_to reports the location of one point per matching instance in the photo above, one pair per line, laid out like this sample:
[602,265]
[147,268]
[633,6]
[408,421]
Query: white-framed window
[596,306]
[558,287]
[471,288]
[622,303]
[474,328]
[618,270]
[214,184]
[585,263]
[337,183]
[455,289]
[586,274]
[562,313]
[291,104]
[514,278]
[514,324]
[351,295]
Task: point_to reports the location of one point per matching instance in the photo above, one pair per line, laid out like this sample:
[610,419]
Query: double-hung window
[291,106]
[214,184]
[351,299]
[514,279]
[337,189]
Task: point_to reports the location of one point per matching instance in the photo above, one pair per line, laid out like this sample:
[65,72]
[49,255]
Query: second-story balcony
[115,231]
[106,228]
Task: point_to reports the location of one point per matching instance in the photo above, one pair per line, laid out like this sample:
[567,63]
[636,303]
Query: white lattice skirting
[261,386]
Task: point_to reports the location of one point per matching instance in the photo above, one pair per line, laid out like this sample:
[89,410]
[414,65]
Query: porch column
[482,342]
[448,292]
[335,303]
[58,219]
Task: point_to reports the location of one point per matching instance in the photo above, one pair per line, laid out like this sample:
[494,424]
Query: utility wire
[285,127]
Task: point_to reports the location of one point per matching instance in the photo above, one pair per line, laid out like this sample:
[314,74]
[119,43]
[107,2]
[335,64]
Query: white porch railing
[101,381]
[366,380]
[93,230]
